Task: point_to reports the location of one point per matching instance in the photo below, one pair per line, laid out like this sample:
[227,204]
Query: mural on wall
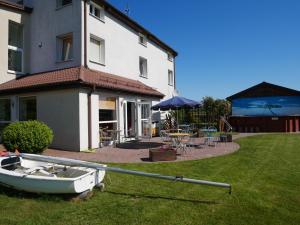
[266,106]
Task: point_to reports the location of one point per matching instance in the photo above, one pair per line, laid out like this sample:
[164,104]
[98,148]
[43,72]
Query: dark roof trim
[136,26]
[15,6]
[242,93]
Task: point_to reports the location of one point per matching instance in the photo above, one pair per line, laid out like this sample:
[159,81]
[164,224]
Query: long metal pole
[73,162]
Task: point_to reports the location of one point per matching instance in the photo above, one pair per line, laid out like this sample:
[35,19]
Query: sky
[225,46]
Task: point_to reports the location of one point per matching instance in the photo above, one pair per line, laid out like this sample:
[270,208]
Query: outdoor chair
[105,138]
[191,141]
[165,136]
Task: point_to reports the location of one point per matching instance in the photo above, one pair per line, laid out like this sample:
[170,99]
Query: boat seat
[40,169]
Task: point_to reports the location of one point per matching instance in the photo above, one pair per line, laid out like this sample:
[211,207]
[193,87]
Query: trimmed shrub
[27,137]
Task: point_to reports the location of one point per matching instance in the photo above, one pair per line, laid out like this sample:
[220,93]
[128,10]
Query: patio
[137,152]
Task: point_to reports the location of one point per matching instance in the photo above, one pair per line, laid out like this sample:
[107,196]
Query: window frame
[170,57]
[19,108]
[59,4]
[172,75]
[10,111]
[16,49]
[144,37]
[60,47]
[101,49]
[144,60]
[101,11]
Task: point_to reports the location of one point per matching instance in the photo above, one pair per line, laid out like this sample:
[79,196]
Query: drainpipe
[174,64]
[90,138]
[85,33]
[90,130]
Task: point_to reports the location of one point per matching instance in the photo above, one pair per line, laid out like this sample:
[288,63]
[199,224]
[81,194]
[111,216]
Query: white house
[80,66]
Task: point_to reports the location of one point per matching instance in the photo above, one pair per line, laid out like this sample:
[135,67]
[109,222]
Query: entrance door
[129,119]
[145,120]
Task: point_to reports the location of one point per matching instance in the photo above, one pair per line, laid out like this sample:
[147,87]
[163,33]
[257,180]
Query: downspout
[85,34]
[90,138]
[174,64]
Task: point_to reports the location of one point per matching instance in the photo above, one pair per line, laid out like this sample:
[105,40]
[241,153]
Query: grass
[264,174]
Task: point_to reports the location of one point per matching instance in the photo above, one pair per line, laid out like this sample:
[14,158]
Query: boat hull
[52,185]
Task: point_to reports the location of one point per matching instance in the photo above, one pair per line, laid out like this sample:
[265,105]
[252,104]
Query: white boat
[45,177]
[54,175]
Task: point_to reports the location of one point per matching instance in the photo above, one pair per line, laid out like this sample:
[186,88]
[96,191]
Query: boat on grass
[55,175]
[46,177]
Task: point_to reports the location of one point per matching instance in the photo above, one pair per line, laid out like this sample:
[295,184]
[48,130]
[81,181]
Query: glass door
[145,120]
[129,119]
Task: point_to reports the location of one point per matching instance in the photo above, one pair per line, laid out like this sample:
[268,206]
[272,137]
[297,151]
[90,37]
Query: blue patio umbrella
[176,103]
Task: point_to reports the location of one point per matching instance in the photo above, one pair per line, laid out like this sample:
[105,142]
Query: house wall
[122,52]
[48,22]
[265,124]
[6,15]
[60,111]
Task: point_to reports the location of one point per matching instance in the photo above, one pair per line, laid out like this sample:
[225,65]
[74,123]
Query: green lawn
[265,174]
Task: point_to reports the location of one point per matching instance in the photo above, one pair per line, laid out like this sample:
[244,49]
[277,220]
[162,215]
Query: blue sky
[225,46]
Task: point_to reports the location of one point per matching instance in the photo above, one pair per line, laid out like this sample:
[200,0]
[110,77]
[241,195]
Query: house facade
[81,66]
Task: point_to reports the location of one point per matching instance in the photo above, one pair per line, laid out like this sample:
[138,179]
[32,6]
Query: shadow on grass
[10,192]
[208,202]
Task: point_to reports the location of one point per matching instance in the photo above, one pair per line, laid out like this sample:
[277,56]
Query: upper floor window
[170,78]
[65,47]
[143,67]
[170,57]
[143,40]
[97,50]
[61,3]
[15,47]
[96,11]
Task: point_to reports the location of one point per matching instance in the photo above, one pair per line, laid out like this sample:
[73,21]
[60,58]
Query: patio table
[177,140]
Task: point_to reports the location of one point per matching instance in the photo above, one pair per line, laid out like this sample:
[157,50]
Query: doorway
[129,119]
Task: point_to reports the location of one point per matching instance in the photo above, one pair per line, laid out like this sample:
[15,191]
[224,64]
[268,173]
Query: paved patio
[136,152]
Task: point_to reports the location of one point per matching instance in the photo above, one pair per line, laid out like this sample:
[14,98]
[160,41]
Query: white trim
[111,121]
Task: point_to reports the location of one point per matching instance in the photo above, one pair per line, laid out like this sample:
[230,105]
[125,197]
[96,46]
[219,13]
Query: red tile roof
[77,76]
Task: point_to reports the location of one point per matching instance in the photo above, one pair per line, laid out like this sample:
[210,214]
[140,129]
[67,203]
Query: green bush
[27,137]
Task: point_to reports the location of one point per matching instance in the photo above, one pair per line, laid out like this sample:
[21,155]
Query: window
[97,50]
[5,110]
[27,108]
[107,112]
[65,47]
[15,47]
[170,78]
[96,11]
[61,3]
[143,67]
[142,40]
[170,57]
